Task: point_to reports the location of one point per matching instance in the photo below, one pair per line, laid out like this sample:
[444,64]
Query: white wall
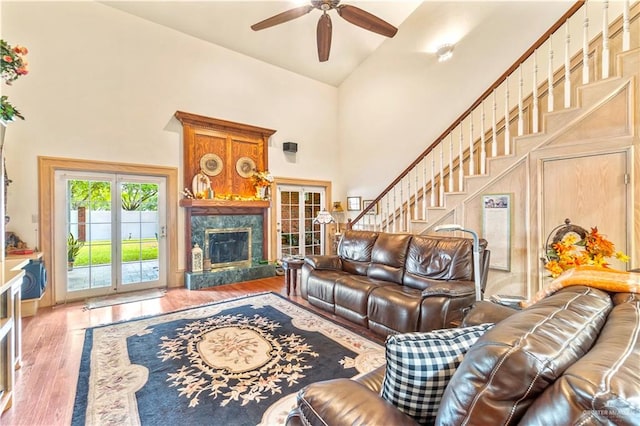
[104,85]
[401,98]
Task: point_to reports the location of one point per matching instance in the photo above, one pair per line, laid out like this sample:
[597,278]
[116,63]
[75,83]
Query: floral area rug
[238,362]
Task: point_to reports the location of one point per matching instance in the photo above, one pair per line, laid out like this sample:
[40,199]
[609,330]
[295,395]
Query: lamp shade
[324,217]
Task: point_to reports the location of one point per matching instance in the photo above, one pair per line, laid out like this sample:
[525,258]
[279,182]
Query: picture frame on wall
[496,227]
[367,203]
[354,204]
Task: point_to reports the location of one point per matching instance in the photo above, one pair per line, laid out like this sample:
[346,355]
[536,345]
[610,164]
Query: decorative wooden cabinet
[226,152]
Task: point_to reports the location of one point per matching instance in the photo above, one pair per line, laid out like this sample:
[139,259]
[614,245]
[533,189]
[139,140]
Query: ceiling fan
[351,14]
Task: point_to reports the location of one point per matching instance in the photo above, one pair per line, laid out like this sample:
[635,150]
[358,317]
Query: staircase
[585,107]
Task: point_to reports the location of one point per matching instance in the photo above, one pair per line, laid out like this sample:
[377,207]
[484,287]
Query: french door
[297,234]
[112,229]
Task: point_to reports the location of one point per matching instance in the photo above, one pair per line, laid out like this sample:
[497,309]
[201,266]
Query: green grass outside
[132,251]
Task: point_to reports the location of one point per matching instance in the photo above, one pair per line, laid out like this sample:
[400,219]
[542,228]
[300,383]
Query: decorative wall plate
[200,183]
[211,164]
[245,167]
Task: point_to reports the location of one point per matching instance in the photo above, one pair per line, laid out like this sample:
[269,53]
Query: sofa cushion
[388,257]
[419,366]
[515,361]
[439,258]
[355,251]
[602,387]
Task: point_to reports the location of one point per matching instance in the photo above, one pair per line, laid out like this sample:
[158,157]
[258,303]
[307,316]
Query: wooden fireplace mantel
[195,203]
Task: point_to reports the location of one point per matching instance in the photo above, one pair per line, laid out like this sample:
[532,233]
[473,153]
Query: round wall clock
[211,164]
[245,167]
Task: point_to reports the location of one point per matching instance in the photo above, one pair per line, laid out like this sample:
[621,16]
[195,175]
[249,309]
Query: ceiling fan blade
[283,17]
[365,20]
[324,37]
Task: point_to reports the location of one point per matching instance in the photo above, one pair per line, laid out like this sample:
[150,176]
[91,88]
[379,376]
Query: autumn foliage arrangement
[571,251]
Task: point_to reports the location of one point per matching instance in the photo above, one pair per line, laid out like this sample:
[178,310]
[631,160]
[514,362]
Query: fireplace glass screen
[229,247]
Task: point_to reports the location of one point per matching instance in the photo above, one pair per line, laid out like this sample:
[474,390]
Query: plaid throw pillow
[419,366]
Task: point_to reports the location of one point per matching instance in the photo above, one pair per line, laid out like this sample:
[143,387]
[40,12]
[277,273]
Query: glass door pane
[314,241]
[89,248]
[140,231]
[290,223]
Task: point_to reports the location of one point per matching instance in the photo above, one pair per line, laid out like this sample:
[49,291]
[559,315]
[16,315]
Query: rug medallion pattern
[234,362]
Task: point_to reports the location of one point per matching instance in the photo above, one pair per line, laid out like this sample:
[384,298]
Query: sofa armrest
[324,262]
[344,401]
[449,288]
[483,312]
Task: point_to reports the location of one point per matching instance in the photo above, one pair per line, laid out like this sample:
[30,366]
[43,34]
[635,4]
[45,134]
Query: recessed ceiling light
[444,52]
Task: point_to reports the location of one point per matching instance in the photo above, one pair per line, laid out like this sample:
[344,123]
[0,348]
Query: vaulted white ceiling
[291,45]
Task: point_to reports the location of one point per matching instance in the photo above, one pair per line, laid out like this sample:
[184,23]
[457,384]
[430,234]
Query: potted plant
[73,248]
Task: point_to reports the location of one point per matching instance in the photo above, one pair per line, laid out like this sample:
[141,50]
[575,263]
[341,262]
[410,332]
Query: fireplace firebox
[228,247]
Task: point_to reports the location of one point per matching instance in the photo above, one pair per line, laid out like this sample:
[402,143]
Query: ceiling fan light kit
[351,14]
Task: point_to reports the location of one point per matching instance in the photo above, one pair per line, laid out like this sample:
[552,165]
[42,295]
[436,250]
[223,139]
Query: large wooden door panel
[591,191]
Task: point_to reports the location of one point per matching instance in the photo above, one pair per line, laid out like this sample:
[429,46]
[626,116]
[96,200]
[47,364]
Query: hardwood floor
[52,343]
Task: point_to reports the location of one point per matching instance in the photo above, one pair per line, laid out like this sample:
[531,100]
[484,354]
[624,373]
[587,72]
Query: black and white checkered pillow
[420,365]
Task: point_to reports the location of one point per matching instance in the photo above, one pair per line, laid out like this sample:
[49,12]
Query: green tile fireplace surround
[202,220]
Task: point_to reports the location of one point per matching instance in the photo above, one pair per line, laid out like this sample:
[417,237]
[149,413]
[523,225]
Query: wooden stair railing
[424,183]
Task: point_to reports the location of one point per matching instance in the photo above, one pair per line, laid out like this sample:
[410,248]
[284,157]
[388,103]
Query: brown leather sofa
[395,283]
[571,359]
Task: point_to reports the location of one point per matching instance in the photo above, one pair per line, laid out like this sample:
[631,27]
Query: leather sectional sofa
[395,283]
[571,359]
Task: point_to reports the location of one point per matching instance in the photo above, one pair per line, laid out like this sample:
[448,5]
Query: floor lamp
[476,253]
[323,218]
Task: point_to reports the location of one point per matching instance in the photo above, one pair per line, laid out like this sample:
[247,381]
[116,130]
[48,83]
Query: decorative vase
[261,192]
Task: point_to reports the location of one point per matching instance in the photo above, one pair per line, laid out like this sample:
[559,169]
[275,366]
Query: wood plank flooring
[53,339]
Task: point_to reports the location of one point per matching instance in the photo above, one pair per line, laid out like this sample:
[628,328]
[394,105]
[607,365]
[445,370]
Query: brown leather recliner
[395,283]
[570,359]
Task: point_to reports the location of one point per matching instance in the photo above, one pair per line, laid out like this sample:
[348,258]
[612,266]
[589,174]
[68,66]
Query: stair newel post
[585,47]
[626,34]
[567,68]
[441,180]
[451,162]
[535,92]
[507,133]
[520,100]
[550,76]
[460,162]
[494,127]
[483,142]
[472,165]
[605,39]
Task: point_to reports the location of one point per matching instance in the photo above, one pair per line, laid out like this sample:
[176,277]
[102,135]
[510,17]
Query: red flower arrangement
[14,65]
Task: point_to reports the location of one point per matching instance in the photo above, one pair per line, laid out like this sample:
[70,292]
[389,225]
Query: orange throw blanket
[611,280]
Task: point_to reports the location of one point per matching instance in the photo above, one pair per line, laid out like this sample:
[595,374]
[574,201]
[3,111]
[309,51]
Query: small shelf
[195,203]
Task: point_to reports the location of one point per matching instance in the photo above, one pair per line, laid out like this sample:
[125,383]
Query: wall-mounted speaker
[290,147]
